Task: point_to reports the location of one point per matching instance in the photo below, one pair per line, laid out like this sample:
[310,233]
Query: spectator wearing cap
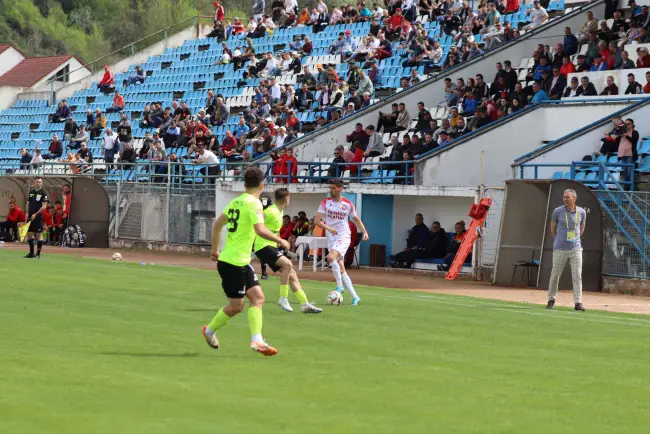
[108,80]
[573,89]
[118,103]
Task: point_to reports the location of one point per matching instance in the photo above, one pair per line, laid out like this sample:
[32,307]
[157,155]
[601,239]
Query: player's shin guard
[348,285]
[255,323]
[336,269]
[219,320]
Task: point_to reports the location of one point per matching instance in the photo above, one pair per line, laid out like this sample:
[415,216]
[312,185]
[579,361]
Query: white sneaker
[284,304]
[310,308]
[210,339]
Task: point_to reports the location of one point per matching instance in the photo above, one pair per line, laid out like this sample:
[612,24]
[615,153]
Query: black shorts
[36,225]
[235,279]
[269,256]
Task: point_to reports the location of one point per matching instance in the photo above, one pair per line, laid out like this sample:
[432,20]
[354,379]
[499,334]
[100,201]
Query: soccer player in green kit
[268,253]
[244,220]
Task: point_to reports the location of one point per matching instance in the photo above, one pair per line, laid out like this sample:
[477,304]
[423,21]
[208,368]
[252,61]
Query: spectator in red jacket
[237,26]
[108,81]
[15,216]
[290,161]
[512,6]
[279,161]
[287,227]
[67,197]
[57,228]
[394,24]
[219,12]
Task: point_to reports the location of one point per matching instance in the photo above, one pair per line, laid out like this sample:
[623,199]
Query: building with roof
[19,73]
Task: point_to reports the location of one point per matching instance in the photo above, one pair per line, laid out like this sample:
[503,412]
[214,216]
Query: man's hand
[214,255]
[332,231]
[33,216]
[284,244]
[365,236]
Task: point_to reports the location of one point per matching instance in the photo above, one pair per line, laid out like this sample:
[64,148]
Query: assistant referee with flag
[36,203]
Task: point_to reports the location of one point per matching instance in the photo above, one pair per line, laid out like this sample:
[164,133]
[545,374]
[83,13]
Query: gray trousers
[560,258]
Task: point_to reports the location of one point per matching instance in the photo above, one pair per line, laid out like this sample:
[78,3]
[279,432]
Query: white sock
[348,285]
[209,332]
[257,338]
[337,274]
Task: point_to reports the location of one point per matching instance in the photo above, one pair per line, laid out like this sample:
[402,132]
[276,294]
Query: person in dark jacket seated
[416,240]
[459,236]
[435,247]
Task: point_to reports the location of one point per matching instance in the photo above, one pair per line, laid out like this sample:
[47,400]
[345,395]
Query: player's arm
[318,221]
[45,203]
[264,232]
[217,226]
[359,223]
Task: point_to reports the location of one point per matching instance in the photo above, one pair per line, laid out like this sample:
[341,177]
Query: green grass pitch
[92,346]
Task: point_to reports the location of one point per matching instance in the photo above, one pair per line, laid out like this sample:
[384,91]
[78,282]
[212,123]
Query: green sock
[301,296]
[284,291]
[255,320]
[219,320]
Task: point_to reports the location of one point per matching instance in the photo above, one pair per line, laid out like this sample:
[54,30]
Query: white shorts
[340,243]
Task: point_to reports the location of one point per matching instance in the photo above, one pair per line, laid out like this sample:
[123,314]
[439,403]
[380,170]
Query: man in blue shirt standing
[567,226]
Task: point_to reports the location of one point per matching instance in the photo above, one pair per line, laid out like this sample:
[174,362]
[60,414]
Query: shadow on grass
[148,355]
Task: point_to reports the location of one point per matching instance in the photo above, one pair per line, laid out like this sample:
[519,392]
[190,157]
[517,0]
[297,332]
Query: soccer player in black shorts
[37,202]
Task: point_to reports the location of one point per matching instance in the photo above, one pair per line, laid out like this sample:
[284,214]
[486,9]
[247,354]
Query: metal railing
[604,173]
[189,174]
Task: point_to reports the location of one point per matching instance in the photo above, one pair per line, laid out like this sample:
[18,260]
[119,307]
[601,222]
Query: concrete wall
[140,57]
[8,95]
[431,91]
[460,164]
[599,79]
[447,210]
[583,144]
[9,58]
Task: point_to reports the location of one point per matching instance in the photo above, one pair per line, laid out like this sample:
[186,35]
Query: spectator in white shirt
[37,159]
[538,16]
[211,161]
[110,147]
[275,91]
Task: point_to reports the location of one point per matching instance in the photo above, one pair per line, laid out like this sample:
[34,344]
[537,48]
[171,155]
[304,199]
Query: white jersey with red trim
[337,214]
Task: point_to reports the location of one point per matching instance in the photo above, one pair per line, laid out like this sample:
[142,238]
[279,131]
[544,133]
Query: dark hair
[302,213]
[58,202]
[437,223]
[630,75]
[508,63]
[281,194]
[336,182]
[253,177]
[370,127]
[419,215]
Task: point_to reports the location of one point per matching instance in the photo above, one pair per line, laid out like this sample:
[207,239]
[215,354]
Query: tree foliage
[91,29]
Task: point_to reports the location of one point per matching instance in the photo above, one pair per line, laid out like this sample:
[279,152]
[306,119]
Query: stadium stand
[188,73]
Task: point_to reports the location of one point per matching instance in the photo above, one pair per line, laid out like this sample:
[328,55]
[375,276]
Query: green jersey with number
[243,214]
[273,221]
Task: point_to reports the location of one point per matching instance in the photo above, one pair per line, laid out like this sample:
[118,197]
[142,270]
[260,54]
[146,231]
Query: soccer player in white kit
[336,211]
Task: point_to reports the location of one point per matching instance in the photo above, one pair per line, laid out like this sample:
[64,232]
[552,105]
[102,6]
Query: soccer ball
[117,257]
[334,298]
